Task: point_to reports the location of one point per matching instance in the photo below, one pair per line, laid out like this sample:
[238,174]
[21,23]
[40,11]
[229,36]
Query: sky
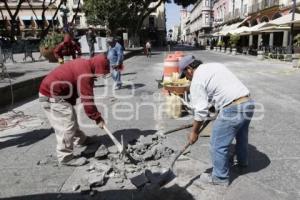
[173,15]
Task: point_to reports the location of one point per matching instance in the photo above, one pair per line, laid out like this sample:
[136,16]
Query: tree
[129,14]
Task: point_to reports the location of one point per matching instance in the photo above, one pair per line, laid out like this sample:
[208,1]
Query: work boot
[74,161]
[207,178]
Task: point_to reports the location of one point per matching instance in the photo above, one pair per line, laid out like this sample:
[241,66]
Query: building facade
[175,33]
[74,6]
[201,19]
[184,24]
[154,26]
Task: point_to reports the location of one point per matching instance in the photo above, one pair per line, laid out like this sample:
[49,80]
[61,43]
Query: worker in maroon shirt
[58,93]
[67,49]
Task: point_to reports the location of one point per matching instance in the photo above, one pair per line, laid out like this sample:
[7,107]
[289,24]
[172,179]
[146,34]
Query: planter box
[48,54]
[296,60]
[260,55]
[233,51]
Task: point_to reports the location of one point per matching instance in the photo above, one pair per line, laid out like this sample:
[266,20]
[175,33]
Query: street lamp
[292,27]
[64,12]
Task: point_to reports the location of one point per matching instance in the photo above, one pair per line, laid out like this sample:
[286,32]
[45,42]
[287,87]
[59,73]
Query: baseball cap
[184,63]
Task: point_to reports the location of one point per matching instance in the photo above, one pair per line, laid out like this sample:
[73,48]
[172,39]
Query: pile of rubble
[149,152]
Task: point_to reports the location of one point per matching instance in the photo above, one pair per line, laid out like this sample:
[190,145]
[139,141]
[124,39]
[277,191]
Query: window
[77,21]
[151,22]
[207,3]
[206,19]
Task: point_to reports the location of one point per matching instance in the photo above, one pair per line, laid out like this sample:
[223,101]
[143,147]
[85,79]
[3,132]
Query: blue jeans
[116,76]
[232,122]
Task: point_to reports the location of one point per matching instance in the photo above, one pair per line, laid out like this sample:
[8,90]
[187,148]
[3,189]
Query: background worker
[213,83]
[115,57]
[91,40]
[66,49]
[58,93]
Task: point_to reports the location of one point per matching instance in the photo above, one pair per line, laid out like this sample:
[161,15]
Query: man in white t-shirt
[213,84]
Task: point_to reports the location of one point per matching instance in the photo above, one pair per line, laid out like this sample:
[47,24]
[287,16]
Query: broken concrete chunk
[102,152]
[145,140]
[119,180]
[84,185]
[101,167]
[139,180]
[154,163]
[113,157]
[96,179]
[113,149]
[148,155]
[76,187]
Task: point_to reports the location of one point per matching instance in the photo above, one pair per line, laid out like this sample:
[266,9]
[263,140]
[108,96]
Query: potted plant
[297,43]
[233,40]
[48,44]
[220,44]
[296,54]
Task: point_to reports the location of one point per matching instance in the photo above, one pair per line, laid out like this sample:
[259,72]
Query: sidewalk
[252,58]
[27,76]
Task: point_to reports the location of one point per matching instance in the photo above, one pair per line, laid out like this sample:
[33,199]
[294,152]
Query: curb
[28,88]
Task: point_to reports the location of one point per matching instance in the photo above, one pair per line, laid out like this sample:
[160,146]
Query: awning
[271,29]
[241,30]
[286,19]
[255,29]
[228,29]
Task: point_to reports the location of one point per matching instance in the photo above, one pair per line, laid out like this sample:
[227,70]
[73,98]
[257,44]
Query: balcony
[265,4]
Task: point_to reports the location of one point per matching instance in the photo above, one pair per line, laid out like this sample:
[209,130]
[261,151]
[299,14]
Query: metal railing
[264,4]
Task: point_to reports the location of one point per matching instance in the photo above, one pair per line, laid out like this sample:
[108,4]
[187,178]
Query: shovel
[169,175]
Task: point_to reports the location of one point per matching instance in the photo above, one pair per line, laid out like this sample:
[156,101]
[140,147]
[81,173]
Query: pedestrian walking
[91,40]
[58,93]
[148,48]
[213,83]
[115,57]
[67,49]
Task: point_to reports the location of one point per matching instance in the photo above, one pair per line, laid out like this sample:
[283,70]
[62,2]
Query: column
[250,40]
[285,38]
[271,40]
[259,40]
